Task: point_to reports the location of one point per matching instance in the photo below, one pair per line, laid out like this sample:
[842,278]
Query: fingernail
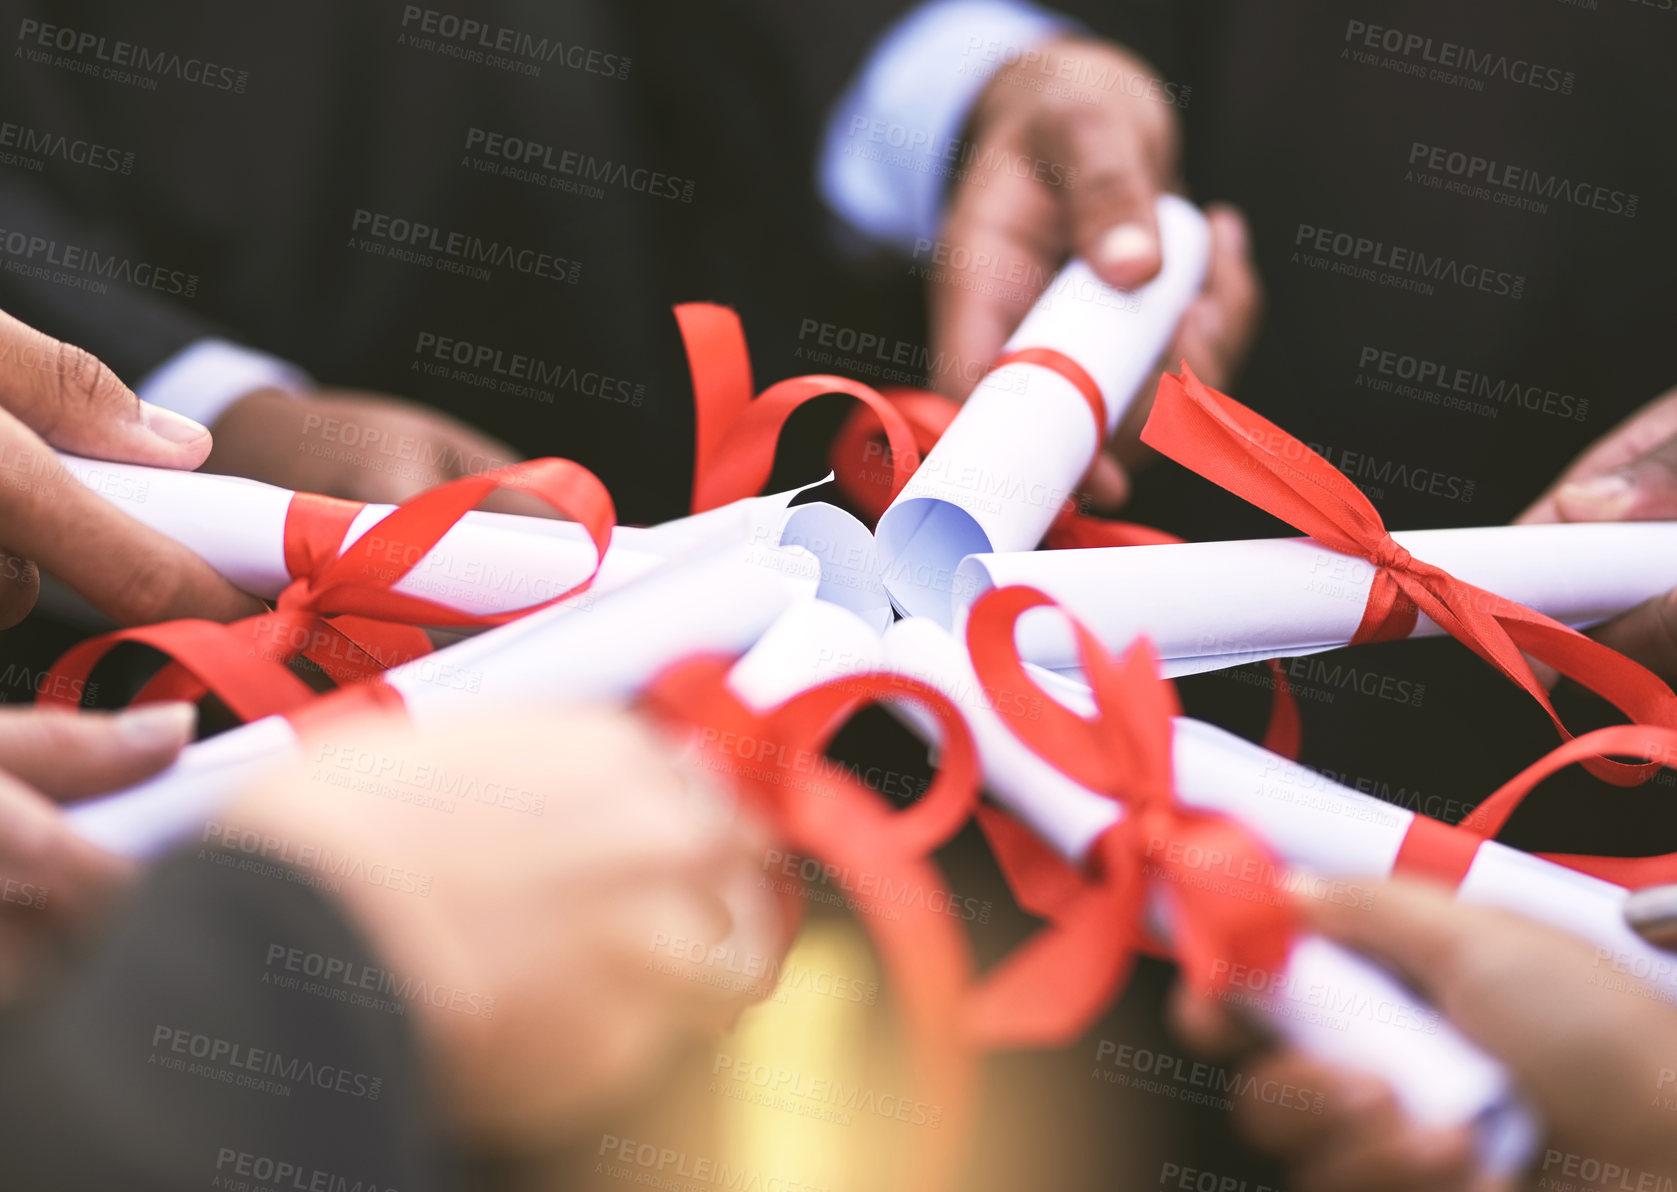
[156,726]
[170,426]
[1600,497]
[1652,913]
[1124,245]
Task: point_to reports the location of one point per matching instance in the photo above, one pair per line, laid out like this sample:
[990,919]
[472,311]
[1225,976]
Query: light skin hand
[1102,167]
[52,882]
[360,446]
[565,917]
[1589,1053]
[1629,474]
[56,394]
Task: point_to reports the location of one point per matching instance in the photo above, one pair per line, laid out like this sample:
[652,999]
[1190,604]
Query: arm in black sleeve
[81,283]
[228,1028]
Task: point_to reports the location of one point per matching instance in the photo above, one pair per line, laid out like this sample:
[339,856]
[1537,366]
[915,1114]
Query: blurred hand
[1629,474]
[1594,1049]
[575,906]
[361,446]
[51,880]
[55,393]
[1078,178]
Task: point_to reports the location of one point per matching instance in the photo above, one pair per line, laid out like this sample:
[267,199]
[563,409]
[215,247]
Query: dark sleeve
[192,1049]
[73,279]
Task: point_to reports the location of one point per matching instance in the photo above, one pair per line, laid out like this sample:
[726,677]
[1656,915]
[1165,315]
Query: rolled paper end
[850,574]
[923,542]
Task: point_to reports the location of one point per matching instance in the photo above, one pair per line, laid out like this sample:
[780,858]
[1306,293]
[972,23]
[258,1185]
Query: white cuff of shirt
[893,138]
[203,379]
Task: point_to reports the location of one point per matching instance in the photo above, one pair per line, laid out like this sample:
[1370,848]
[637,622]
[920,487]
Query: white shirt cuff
[894,137]
[202,380]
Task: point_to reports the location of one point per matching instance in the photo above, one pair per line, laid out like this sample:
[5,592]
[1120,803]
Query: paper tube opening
[926,539]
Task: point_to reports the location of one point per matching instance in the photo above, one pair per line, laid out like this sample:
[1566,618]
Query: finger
[1652,913]
[1121,157]
[20,584]
[1342,1102]
[1639,434]
[126,570]
[1003,241]
[70,876]
[1647,633]
[70,755]
[73,401]
[1642,489]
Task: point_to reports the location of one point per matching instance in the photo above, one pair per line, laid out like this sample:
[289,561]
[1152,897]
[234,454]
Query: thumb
[1642,489]
[1111,203]
[64,394]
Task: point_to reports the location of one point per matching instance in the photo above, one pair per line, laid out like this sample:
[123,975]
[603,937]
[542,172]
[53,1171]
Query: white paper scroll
[589,648]
[487,562]
[1333,1003]
[1209,605]
[1011,458]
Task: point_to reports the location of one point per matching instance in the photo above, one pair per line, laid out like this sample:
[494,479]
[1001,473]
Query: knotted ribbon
[346,599]
[821,811]
[1248,455]
[1222,915]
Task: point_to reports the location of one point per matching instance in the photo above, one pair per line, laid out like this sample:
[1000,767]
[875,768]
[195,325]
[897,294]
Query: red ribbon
[734,436]
[1056,985]
[345,599]
[1444,853]
[1233,447]
[822,812]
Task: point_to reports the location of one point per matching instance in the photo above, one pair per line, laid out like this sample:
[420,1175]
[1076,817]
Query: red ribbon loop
[340,610]
[1245,453]
[734,436]
[1054,987]
[1445,853]
[821,811]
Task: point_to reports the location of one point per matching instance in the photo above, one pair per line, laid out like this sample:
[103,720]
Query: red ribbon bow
[1216,877]
[822,812]
[1233,447]
[341,610]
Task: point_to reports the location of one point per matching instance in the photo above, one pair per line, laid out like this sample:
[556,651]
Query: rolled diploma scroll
[487,562]
[1209,605]
[585,649]
[1439,1077]
[1009,461]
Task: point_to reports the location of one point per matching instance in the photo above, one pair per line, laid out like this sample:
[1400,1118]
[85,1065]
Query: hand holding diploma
[1629,475]
[54,393]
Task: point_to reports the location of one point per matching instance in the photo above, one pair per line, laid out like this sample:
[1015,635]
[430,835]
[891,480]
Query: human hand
[1094,172]
[59,393]
[563,898]
[360,446]
[1591,1047]
[1629,474]
[52,882]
